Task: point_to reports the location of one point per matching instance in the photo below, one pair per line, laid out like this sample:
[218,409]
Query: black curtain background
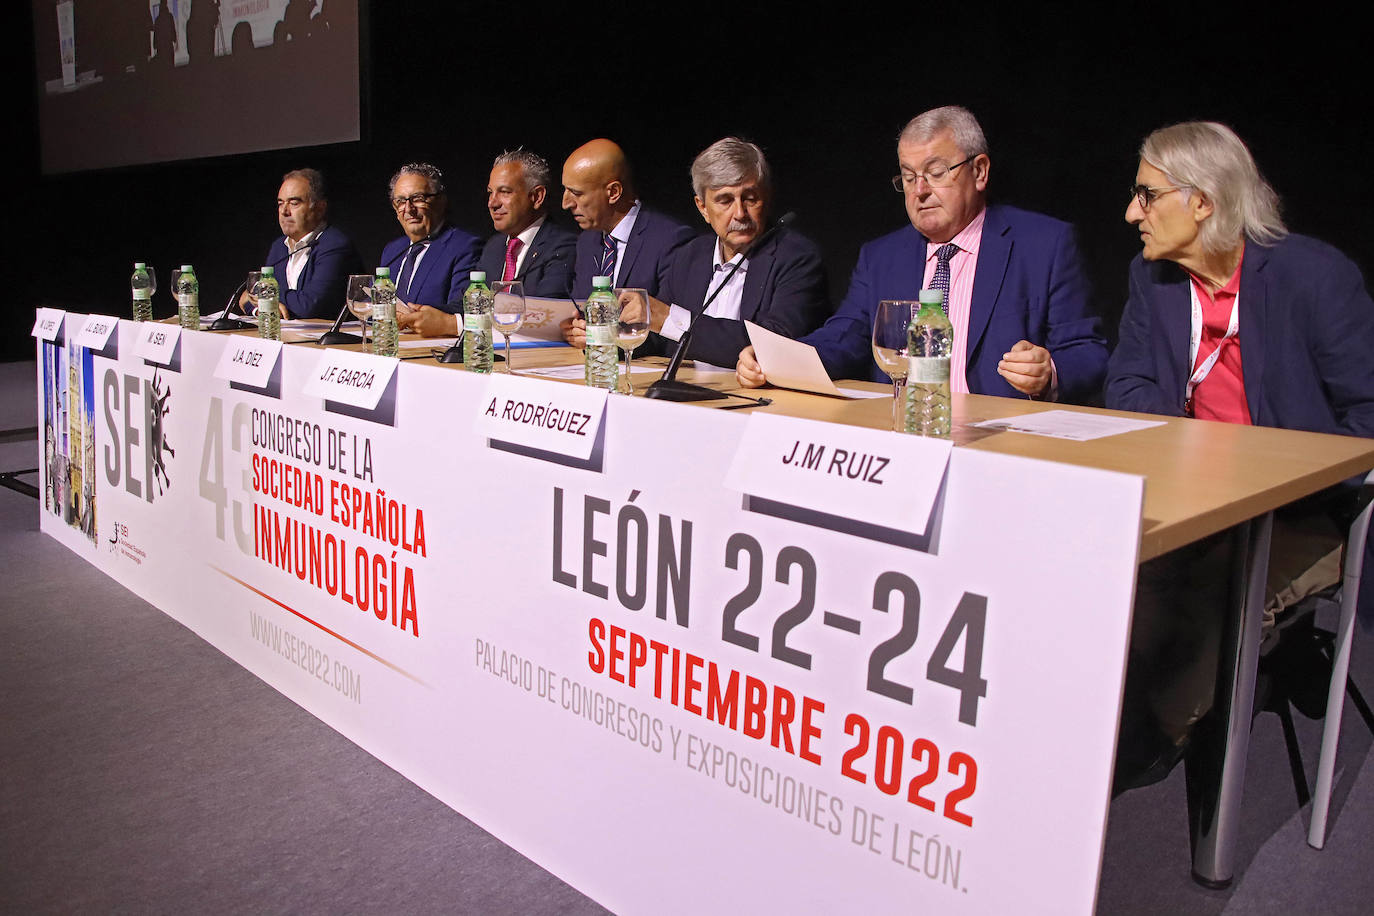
[1065,94]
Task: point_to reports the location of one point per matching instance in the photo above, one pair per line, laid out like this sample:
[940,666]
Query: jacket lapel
[421,271]
[994,251]
[632,248]
[1253,306]
[532,258]
[757,274]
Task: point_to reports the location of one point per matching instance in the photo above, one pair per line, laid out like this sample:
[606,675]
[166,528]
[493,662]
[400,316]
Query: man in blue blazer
[430,264]
[312,260]
[527,246]
[1232,319]
[778,279]
[1017,293]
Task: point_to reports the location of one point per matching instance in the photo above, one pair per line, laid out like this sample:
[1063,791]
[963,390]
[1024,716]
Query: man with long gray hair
[1230,318]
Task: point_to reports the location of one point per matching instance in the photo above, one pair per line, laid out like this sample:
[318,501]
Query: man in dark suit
[430,264]
[1017,294]
[312,260]
[1233,319]
[527,246]
[621,238]
[779,284]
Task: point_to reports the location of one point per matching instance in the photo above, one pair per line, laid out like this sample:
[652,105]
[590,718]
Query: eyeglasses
[1146,196]
[418,201]
[938,175]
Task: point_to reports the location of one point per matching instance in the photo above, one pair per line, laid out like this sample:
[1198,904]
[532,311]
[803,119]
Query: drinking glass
[176,277]
[152,281]
[360,299]
[631,330]
[253,277]
[508,312]
[890,324]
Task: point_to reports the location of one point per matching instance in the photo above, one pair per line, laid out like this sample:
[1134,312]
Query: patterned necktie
[607,257]
[408,269]
[941,279]
[513,246]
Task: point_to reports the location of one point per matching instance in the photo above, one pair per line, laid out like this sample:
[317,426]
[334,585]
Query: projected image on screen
[123,82]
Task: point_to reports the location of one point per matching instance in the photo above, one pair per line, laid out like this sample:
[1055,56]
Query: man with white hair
[1230,318]
[1015,287]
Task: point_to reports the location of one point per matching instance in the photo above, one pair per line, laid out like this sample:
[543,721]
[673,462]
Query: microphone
[668,388]
[224,322]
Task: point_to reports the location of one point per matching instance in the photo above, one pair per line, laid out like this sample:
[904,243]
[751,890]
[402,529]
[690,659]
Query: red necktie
[513,246]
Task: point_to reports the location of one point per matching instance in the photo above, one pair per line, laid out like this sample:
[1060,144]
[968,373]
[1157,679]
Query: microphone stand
[224,322]
[668,388]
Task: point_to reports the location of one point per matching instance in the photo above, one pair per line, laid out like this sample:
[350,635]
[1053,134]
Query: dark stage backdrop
[1065,95]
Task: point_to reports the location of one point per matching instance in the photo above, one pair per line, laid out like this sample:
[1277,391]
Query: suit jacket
[548,266]
[784,290]
[320,289]
[442,276]
[1306,339]
[645,260]
[1030,285]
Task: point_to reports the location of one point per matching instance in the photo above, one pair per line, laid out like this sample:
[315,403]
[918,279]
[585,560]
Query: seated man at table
[621,238]
[1230,318]
[317,257]
[430,264]
[527,246]
[1015,286]
[780,281]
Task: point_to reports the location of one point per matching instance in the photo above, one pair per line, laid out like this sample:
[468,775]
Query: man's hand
[1026,368]
[428,322]
[748,372]
[574,332]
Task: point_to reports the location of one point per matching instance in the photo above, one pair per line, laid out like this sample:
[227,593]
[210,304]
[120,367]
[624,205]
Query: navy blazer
[1030,285]
[442,276]
[1306,339]
[320,289]
[548,266]
[645,259]
[784,291]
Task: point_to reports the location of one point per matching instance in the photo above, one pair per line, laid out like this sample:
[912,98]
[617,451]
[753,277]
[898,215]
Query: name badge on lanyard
[1195,340]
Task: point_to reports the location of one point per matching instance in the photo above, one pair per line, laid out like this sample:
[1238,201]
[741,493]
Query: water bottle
[267,294]
[142,286]
[384,333]
[603,317]
[478,306]
[930,337]
[188,298]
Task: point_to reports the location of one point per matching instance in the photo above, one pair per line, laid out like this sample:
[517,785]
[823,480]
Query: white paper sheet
[1069,424]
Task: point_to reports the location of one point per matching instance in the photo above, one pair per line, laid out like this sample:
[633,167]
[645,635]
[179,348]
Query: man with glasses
[312,259]
[1230,318]
[527,246]
[1015,287]
[431,262]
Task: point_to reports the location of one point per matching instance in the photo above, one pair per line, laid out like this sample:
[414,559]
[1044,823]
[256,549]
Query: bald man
[621,237]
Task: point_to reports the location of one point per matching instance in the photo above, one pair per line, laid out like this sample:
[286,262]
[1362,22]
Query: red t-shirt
[1221,395]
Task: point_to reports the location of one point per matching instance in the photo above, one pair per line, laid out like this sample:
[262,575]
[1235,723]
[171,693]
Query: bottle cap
[187,269]
[384,272]
[601,282]
[268,272]
[478,276]
[931,297]
[140,265]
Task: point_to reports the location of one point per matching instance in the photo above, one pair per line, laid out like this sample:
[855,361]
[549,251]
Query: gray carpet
[141,770]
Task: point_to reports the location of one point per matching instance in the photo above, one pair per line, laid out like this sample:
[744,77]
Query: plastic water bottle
[478,306]
[930,337]
[188,298]
[384,333]
[603,317]
[267,294]
[142,286]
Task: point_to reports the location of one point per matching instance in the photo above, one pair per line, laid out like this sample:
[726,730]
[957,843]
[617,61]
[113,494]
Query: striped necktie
[607,256]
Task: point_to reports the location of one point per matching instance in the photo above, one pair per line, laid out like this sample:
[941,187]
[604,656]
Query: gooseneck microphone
[668,388]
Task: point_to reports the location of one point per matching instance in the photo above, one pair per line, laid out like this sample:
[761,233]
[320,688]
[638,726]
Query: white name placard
[48,323]
[357,379]
[558,418]
[248,360]
[157,342]
[95,331]
[869,475]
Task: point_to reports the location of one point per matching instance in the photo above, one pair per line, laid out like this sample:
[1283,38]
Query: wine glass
[176,278]
[890,324]
[508,312]
[152,281]
[360,299]
[253,277]
[631,330]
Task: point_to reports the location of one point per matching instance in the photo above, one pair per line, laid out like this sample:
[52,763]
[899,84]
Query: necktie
[513,246]
[607,257]
[408,269]
[941,279]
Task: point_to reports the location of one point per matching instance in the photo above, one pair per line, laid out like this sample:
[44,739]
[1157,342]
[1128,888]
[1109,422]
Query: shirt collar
[527,237]
[968,238]
[309,237]
[718,264]
[621,232]
[1230,290]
